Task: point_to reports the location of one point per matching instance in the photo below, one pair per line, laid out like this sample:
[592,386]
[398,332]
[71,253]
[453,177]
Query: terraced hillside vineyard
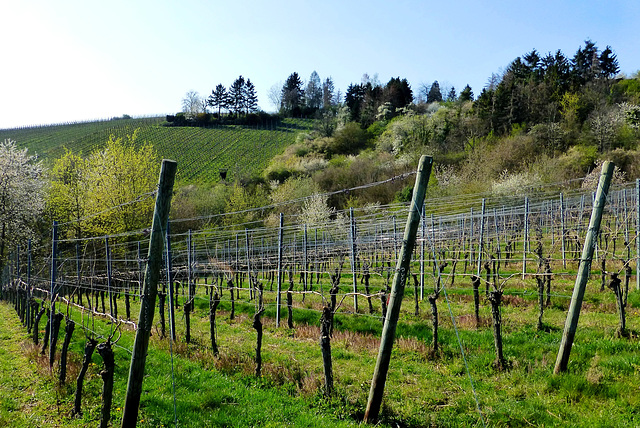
[201,153]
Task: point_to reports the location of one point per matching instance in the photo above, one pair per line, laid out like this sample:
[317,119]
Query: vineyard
[269,326]
[201,152]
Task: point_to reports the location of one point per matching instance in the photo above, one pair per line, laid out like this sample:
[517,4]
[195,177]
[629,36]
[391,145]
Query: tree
[313,92]
[21,196]
[218,98]
[250,97]
[328,93]
[275,95]
[608,63]
[292,95]
[67,196]
[434,94]
[452,96]
[121,179]
[354,99]
[237,93]
[192,103]
[466,94]
[398,93]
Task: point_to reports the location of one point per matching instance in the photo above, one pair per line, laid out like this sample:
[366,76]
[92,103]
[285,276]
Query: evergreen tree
[608,63]
[452,96]
[236,101]
[466,94]
[251,97]
[398,93]
[218,98]
[313,92]
[434,94]
[328,93]
[354,99]
[292,95]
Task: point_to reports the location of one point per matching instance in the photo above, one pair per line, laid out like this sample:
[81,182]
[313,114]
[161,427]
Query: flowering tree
[21,196]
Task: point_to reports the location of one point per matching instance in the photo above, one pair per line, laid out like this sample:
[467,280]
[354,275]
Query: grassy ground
[423,388]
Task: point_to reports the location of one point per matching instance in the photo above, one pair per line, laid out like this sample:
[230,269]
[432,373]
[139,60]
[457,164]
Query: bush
[350,139]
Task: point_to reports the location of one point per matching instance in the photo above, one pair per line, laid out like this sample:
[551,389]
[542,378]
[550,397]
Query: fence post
[637,233]
[571,323]
[525,241]
[280,244]
[353,259]
[172,320]
[54,289]
[562,230]
[481,241]
[150,291]
[397,291]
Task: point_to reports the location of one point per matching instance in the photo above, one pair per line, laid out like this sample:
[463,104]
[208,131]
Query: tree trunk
[495,298]
[614,285]
[214,301]
[188,306]
[232,315]
[36,328]
[434,319]
[105,351]
[416,286]
[325,346]
[541,282]
[57,319]
[257,325]
[68,329]
[89,347]
[475,282]
[161,300]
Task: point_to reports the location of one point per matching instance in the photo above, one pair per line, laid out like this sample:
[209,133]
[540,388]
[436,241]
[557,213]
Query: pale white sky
[71,60]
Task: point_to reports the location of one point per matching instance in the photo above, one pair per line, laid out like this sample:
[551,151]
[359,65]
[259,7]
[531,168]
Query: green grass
[422,389]
[200,152]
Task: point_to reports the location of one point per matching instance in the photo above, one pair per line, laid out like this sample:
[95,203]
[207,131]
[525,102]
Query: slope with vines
[201,152]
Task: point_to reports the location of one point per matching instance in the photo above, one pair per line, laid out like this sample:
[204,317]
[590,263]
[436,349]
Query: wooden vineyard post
[571,323]
[637,234]
[279,295]
[481,241]
[397,291]
[150,290]
[525,241]
[562,231]
[353,259]
[172,320]
[54,292]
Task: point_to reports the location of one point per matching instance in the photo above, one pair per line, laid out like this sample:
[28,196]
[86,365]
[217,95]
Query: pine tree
[313,92]
[237,96]
[434,94]
[251,97]
[218,98]
[292,94]
[328,93]
[466,94]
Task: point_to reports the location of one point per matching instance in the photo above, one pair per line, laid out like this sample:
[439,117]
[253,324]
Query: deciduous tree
[21,196]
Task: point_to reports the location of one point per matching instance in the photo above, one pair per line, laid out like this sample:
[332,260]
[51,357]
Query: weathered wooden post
[352,235]
[571,323]
[279,295]
[525,241]
[172,320]
[148,297]
[637,234]
[397,291]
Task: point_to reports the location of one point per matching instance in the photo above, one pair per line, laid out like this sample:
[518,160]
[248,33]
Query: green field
[200,152]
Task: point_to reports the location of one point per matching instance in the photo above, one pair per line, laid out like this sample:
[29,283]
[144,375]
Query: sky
[77,60]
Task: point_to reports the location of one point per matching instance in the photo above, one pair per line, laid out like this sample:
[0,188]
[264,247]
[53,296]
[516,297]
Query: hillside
[200,152]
